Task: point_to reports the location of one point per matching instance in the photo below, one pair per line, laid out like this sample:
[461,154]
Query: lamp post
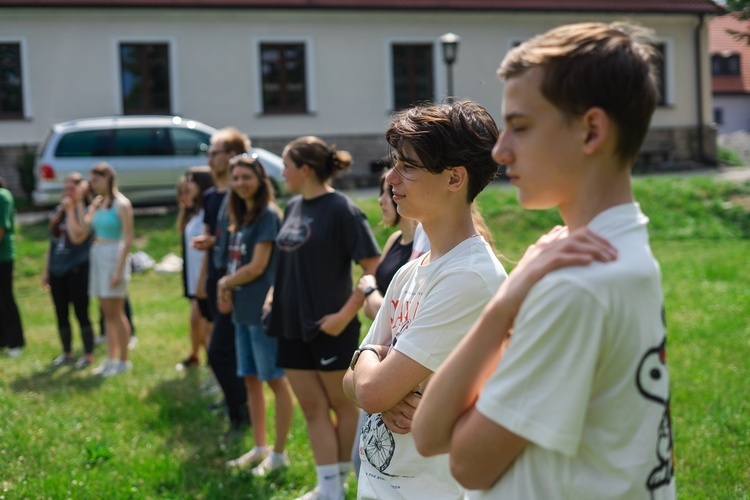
[450,51]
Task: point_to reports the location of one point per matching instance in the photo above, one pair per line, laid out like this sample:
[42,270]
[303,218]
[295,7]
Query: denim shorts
[256,352]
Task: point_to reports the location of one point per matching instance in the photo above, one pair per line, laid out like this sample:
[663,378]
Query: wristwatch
[355,357]
[369,290]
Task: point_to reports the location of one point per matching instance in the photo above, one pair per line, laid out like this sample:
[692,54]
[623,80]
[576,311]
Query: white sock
[329,481]
[344,469]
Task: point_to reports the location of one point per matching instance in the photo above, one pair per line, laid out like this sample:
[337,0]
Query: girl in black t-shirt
[314,311]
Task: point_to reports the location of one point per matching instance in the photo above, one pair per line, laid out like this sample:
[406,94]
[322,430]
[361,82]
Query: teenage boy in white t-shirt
[577,404]
[442,160]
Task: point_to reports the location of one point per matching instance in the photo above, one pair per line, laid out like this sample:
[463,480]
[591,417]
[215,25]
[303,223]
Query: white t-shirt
[426,311]
[193,256]
[584,379]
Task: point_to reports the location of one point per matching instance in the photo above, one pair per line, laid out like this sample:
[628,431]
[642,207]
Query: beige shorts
[103,261]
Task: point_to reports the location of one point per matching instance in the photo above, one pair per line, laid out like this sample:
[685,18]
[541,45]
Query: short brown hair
[449,135]
[232,140]
[590,65]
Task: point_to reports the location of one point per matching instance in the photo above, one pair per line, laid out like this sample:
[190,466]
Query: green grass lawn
[149,434]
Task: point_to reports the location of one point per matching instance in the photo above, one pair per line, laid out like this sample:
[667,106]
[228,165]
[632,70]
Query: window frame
[256,63]
[119,96]
[723,63]
[433,70]
[26,112]
[439,75]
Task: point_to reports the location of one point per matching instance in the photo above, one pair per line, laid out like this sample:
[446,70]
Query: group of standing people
[91,232]
[281,297]
[549,382]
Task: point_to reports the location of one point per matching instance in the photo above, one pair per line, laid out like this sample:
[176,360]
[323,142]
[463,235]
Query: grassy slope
[64,433]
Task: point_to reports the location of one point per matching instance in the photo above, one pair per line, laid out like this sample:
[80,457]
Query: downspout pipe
[699,88]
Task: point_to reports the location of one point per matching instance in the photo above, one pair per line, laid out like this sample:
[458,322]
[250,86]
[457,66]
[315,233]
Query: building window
[11,81]
[412,74]
[284,86]
[660,66]
[719,116]
[145,78]
[725,65]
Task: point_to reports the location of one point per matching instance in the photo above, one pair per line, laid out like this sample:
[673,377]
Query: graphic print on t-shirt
[294,233]
[377,443]
[237,251]
[653,384]
[60,247]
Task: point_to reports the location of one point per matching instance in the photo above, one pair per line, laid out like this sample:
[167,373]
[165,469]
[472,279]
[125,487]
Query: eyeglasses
[404,167]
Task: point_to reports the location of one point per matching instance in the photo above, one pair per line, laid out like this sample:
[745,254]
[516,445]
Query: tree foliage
[742,7]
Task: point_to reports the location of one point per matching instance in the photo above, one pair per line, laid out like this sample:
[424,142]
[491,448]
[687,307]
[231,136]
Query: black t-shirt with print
[317,243]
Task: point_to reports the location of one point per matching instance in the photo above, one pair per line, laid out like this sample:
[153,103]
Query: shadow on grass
[193,432]
[53,378]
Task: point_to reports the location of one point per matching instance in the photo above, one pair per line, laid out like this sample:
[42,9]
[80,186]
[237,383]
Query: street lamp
[450,51]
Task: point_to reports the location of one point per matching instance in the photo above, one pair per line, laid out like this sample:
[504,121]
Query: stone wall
[9,156]
[676,149]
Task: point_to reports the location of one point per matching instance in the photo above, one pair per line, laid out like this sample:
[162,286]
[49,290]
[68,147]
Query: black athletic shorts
[205,309]
[323,353]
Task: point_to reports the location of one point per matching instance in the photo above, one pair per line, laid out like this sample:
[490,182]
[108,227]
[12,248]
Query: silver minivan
[149,154]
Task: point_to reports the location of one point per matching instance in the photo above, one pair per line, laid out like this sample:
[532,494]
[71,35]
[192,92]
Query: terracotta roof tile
[664,6]
[721,42]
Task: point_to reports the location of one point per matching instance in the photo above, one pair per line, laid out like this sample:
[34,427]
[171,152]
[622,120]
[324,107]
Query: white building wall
[736,113]
[71,63]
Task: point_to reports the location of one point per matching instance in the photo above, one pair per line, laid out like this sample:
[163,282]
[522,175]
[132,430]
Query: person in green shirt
[11,331]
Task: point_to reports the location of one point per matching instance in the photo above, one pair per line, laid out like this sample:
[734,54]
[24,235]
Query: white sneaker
[14,352]
[117,367]
[62,359]
[104,367]
[272,462]
[255,455]
[83,362]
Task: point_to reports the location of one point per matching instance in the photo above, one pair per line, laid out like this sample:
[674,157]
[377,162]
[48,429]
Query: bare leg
[196,329]
[284,410]
[256,405]
[313,399]
[347,414]
[117,326]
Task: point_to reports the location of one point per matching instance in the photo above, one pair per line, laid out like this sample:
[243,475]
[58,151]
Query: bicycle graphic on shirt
[377,440]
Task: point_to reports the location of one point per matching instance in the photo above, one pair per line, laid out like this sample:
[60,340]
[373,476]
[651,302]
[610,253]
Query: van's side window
[85,143]
[187,142]
[150,141]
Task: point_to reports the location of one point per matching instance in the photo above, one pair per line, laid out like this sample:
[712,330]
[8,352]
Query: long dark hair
[239,215]
[383,187]
[201,175]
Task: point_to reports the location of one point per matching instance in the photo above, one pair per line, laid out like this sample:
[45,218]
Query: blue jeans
[256,352]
